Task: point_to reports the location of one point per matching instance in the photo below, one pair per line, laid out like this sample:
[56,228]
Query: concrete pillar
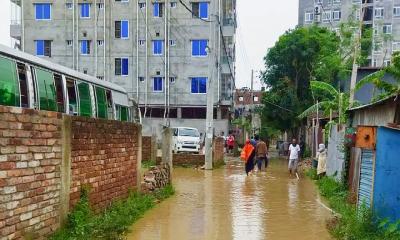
[65,168]
[166,144]
[179,113]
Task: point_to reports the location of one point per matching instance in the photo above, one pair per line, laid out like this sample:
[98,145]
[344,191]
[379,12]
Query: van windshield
[187,132]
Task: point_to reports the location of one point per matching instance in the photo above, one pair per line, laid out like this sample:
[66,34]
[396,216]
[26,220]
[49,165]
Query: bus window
[122,113]
[85,103]
[73,104]
[47,90]
[59,92]
[101,102]
[110,111]
[9,90]
[23,85]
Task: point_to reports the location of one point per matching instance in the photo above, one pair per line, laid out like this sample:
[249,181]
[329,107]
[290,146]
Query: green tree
[330,100]
[300,55]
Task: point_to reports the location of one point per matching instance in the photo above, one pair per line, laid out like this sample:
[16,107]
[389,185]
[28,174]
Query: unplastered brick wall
[149,148]
[46,158]
[30,157]
[218,151]
[104,157]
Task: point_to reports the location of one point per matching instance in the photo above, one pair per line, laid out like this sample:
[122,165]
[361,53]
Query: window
[379,12]
[85,71]
[43,48]
[240,99]
[326,16]
[387,28]
[100,42]
[42,11]
[157,84]
[386,63]
[122,0]
[158,9]
[141,79]
[101,102]
[172,80]
[378,47]
[199,85]
[374,63]
[100,77]
[255,98]
[142,5]
[85,47]
[309,17]
[336,15]
[200,10]
[122,29]
[85,10]
[395,46]
[173,4]
[69,43]
[9,87]
[85,100]
[199,48]
[68,5]
[46,90]
[142,42]
[172,42]
[100,6]
[158,47]
[396,11]
[121,66]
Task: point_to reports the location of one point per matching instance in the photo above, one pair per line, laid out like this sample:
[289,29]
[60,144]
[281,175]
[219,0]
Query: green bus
[31,82]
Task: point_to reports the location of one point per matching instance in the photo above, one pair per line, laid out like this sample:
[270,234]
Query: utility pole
[210,98]
[252,103]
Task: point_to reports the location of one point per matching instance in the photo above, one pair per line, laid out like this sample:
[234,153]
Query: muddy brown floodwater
[225,204]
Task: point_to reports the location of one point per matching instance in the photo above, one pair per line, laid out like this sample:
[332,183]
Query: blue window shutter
[39,11]
[195,48]
[203,47]
[203,10]
[203,85]
[40,47]
[124,29]
[157,47]
[46,11]
[83,47]
[195,85]
[154,47]
[157,84]
[125,65]
[156,9]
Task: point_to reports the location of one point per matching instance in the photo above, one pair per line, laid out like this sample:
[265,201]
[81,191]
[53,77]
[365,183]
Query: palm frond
[373,78]
[313,109]
[324,87]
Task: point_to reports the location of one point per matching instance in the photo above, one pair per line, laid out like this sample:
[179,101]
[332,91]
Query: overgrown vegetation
[353,224]
[148,164]
[114,222]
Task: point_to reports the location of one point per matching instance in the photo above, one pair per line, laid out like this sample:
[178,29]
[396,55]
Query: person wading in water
[247,155]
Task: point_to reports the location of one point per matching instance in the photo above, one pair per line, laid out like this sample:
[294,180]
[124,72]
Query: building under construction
[165,53]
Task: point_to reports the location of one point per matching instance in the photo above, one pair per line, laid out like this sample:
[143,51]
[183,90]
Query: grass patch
[148,164]
[312,173]
[353,224]
[114,222]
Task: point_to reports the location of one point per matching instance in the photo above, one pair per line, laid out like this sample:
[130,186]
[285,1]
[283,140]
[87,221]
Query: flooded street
[225,204]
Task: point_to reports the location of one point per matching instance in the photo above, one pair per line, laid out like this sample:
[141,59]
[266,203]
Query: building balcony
[16,30]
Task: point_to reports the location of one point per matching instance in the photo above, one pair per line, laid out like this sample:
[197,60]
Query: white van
[186,139]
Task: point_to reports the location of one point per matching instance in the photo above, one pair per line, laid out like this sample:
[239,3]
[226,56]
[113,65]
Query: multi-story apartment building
[166,53]
[383,16]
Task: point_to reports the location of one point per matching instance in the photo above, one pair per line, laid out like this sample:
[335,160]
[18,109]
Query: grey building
[165,53]
[383,16]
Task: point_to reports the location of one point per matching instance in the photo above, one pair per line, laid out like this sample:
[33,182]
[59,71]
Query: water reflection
[225,204]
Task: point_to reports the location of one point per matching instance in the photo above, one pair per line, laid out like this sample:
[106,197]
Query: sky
[260,23]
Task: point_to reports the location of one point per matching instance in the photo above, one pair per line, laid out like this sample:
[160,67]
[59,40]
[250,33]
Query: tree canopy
[298,57]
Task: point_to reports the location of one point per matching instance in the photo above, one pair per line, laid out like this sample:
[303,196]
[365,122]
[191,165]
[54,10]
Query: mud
[225,204]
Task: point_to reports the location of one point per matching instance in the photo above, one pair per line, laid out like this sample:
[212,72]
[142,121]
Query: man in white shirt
[294,153]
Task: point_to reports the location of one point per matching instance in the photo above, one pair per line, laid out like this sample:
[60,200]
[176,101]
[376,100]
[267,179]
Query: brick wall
[30,147]
[103,156]
[218,151]
[187,159]
[45,157]
[149,148]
